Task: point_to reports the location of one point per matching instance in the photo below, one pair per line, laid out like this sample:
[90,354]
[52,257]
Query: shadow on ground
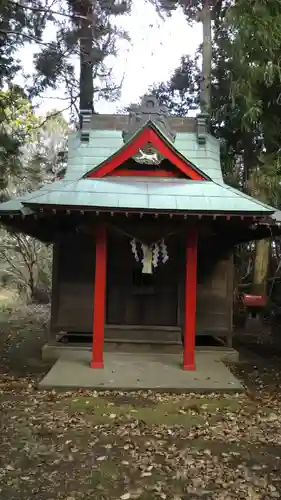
[23,332]
[142,445]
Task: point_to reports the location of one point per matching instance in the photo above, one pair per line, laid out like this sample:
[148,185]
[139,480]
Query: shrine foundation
[141,371]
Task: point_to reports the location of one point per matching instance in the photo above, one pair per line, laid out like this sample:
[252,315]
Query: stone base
[141,371]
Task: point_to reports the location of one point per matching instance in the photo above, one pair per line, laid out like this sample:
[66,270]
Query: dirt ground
[145,445]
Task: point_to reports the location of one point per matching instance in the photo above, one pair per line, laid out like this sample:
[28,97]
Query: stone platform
[140,371]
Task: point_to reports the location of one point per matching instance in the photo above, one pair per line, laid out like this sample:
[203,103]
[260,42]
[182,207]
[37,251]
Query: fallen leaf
[126,496]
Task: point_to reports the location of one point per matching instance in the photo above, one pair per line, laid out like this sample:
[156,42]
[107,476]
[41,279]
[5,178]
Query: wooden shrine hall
[143,229]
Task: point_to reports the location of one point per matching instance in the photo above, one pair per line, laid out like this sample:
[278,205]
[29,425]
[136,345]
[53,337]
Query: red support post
[99,298]
[190,301]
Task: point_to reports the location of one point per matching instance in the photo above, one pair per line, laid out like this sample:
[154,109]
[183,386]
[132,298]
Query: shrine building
[143,229]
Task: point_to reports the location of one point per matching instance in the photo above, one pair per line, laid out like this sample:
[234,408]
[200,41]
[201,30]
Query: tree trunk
[261,264]
[86,10]
[206,19]
[249,157]
[86,59]
[263,248]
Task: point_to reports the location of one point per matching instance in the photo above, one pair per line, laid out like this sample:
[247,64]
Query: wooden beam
[190,300]
[55,296]
[99,298]
[123,172]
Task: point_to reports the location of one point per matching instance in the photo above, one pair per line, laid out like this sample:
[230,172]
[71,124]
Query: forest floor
[143,445]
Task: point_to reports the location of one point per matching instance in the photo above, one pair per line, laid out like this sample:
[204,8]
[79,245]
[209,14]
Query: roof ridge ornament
[85,124]
[149,110]
[202,128]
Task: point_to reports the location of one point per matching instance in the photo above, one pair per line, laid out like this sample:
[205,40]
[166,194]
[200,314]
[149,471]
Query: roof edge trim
[149,132]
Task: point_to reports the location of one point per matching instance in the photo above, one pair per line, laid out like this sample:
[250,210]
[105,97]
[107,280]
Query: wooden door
[134,298]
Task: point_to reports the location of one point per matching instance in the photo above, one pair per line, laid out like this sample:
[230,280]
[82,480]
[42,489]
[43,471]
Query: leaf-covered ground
[144,445]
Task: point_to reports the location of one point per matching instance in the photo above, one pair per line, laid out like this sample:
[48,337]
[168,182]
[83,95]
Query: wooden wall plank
[73,279]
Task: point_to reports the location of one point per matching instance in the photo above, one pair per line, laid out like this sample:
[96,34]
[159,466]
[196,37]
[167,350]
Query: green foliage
[17,114]
[55,62]
[17,122]
[256,49]
[264,181]
[42,157]
[17,24]
[181,93]
[38,140]
[29,144]
[166,7]
[245,92]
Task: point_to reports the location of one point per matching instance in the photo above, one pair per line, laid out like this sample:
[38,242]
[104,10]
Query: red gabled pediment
[152,136]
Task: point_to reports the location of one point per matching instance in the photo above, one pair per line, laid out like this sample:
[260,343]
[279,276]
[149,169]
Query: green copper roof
[83,157]
[139,194]
[14,206]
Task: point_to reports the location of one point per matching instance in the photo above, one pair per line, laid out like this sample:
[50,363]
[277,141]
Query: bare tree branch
[24,35]
[47,11]
[17,271]
[56,113]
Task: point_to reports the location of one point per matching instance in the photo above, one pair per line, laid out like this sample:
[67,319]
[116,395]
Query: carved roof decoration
[149,110]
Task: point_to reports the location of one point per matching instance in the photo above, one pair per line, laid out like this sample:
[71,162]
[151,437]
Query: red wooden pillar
[99,298]
[190,301]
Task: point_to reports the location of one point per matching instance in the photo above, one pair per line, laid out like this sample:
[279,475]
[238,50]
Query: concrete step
[53,351]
